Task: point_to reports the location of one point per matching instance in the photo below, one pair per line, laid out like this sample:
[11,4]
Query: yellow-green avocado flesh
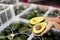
[36,20]
[43,26]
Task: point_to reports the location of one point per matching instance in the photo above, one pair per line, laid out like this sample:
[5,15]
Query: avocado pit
[38,27]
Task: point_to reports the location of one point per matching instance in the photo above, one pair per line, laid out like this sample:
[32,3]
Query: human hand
[55,19]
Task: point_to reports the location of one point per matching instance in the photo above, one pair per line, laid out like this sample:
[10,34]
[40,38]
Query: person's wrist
[51,23]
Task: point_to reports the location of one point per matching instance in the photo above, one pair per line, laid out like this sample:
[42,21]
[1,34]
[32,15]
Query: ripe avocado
[38,28]
[36,20]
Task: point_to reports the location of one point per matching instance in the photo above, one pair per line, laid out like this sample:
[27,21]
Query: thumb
[49,26]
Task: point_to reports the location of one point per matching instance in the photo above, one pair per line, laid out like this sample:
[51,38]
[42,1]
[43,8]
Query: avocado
[36,20]
[38,28]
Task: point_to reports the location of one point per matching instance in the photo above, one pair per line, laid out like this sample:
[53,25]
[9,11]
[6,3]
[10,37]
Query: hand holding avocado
[40,27]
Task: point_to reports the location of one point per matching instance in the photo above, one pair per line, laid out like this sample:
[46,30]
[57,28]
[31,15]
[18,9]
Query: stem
[11,29]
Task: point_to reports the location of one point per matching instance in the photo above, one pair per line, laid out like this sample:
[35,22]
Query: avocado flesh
[36,20]
[43,26]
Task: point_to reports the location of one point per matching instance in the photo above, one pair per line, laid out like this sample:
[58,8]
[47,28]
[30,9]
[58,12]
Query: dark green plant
[21,8]
[34,13]
[54,14]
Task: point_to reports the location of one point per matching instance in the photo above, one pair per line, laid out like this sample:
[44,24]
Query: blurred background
[55,3]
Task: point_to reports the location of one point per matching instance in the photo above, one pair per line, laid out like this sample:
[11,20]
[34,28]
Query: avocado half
[36,20]
[42,27]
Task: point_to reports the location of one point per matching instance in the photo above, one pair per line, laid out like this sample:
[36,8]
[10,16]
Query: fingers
[49,26]
[56,25]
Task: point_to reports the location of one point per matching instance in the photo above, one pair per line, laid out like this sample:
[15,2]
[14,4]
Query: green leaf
[15,26]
